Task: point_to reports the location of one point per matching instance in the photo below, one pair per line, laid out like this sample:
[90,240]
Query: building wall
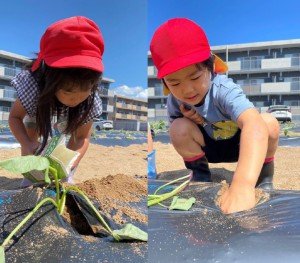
[130,109]
[10,65]
[268,72]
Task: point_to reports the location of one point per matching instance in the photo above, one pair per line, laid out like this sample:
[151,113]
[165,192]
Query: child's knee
[181,129]
[273,126]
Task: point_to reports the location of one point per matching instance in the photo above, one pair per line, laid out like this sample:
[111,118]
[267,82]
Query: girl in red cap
[211,118]
[60,84]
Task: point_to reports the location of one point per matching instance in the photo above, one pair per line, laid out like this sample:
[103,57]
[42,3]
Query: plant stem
[156,199]
[61,205]
[74,188]
[172,182]
[27,217]
[54,172]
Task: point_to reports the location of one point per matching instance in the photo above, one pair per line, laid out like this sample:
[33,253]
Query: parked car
[103,125]
[281,112]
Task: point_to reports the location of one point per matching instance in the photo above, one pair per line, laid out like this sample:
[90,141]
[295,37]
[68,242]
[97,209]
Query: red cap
[179,43]
[73,42]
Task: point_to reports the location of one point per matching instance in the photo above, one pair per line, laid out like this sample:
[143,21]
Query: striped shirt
[28,93]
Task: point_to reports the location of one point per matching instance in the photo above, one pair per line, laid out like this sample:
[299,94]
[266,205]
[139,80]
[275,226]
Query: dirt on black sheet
[260,195]
[114,193]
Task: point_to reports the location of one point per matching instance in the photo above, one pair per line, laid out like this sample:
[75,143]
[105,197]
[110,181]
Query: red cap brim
[77,61]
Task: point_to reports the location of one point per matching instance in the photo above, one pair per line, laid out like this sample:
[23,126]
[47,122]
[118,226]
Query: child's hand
[30,148]
[237,198]
[191,114]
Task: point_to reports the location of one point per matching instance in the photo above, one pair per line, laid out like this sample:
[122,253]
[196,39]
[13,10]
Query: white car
[281,112]
[103,125]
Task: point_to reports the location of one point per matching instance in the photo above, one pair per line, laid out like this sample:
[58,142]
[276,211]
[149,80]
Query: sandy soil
[98,162]
[101,161]
[287,166]
[110,175]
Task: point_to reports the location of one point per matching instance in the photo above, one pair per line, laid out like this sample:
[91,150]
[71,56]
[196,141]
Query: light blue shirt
[223,104]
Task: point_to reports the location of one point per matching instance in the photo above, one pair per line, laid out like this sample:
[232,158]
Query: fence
[130,125]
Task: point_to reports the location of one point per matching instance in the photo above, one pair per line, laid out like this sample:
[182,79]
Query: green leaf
[25,164]
[2,255]
[182,203]
[131,232]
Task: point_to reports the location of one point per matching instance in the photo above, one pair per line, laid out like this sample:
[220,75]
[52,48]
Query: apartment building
[130,109]
[11,64]
[268,72]
[107,97]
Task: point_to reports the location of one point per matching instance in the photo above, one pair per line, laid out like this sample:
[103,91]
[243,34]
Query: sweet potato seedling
[29,163]
[158,198]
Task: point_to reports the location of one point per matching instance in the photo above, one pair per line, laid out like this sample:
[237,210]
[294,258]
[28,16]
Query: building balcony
[286,88]
[136,107]
[7,94]
[139,108]
[263,65]
[4,113]
[5,109]
[9,73]
[143,108]
[107,108]
[154,92]
[157,112]
[152,72]
[103,92]
[124,106]
[123,116]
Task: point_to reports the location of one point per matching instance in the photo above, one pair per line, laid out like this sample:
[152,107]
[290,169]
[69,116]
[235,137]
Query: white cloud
[132,92]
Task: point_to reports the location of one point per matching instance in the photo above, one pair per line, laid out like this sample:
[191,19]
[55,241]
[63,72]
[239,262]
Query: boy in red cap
[211,118]
[62,82]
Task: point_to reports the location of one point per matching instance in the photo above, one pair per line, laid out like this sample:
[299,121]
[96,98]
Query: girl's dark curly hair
[50,80]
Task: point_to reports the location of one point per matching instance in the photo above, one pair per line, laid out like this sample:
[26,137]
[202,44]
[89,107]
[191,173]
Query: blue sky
[232,21]
[127,27]
[122,23]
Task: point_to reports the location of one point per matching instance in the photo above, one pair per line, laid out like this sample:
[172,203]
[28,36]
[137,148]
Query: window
[251,62]
[295,58]
[158,90]
[295,83]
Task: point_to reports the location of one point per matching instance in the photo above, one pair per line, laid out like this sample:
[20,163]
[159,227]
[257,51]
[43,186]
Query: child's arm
[191,114]
[16,125]
[80,140]
[253,148]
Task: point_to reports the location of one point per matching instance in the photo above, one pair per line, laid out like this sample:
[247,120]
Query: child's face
[189,84]
[72,98]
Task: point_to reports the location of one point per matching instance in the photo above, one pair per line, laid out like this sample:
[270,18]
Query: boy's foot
[199,166]
[265,179]
[201,176]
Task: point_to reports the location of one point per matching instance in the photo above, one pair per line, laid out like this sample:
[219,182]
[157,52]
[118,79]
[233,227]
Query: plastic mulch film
[268,233]
[47,237]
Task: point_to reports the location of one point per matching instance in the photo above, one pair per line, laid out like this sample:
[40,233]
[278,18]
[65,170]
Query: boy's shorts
[221,151]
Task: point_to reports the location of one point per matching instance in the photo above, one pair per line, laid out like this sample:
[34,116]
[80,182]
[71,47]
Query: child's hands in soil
[238,197]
